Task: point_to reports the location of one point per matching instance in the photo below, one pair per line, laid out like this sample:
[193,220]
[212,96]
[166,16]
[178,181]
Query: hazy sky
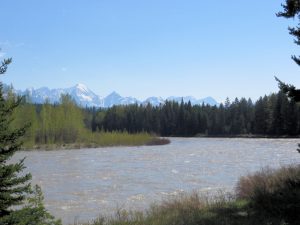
[148,48]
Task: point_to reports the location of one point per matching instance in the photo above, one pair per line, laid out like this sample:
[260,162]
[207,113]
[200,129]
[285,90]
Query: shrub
[193,209]
[273,194]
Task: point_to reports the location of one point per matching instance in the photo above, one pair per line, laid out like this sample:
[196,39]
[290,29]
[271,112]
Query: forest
[274,115]
[63,125]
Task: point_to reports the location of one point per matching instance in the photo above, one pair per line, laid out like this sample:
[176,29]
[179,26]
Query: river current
[80,184]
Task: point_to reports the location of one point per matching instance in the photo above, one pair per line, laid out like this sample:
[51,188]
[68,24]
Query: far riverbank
[70,146]
[249,136]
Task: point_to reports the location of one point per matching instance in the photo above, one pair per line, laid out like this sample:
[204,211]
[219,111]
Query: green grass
[90,139]
[268,197]
[116,138]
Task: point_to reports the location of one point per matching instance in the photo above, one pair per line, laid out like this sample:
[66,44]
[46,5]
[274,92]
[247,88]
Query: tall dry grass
[267,197]
[273,194]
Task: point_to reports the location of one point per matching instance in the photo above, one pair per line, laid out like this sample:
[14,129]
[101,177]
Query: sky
[146,48]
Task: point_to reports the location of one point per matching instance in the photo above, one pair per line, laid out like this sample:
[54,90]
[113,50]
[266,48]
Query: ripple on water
[138,197]
[173,193]
[86,182]
[175,171]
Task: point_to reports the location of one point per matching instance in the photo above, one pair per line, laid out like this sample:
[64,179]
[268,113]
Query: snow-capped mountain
[185,99]
[209,101]
[80,93]
[193,100]
[115,99]
[87,98]
[43,94]
[155,101]
[84,96]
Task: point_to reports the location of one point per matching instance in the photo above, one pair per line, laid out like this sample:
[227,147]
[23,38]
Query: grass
[116,138]
[268,197]
[273,194]
[184,210]
[104,139]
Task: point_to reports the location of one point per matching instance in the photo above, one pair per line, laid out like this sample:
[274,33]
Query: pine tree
[261,116]
[289,90]
[291,9]
[15,189]
[12,188]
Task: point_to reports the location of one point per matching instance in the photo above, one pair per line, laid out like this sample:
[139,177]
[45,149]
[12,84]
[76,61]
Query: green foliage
[61,123]
[289,90]
[116,138]
[24,114]
[273,115]
[12,188]
[67,124]
[15,189]
[33,212]
[291,9]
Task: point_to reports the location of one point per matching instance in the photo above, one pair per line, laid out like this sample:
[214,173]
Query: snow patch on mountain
[84,97]
[155,101]
[193,100]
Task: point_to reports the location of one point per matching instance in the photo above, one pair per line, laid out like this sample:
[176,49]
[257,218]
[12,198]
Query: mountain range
[85,97]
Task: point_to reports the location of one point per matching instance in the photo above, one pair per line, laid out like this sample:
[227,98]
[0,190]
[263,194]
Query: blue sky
[148,48]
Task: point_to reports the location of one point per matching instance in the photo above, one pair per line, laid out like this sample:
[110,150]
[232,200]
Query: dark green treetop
[12,187]
[291,9]
[289,90]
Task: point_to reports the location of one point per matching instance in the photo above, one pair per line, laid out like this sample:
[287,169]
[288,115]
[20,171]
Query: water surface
[80,184]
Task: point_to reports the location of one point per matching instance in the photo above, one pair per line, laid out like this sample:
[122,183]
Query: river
[80,184]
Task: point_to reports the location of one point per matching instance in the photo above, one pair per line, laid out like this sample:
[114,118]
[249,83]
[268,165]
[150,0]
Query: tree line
[65,124]
[272,115]
[50,123]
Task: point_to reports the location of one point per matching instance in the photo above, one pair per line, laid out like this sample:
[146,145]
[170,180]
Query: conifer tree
[15,189]
[291,9]
[12,188]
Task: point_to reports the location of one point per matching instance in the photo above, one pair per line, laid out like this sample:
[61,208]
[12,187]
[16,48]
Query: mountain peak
[155,101]
[82,87]
[85,97]
[114,94]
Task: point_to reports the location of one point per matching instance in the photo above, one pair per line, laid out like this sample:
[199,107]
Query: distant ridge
[84,97]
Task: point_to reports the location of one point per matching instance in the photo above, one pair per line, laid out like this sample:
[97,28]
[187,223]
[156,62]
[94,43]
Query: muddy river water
[78,185]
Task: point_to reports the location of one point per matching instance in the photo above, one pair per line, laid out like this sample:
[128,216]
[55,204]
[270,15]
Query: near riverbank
[265,197]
